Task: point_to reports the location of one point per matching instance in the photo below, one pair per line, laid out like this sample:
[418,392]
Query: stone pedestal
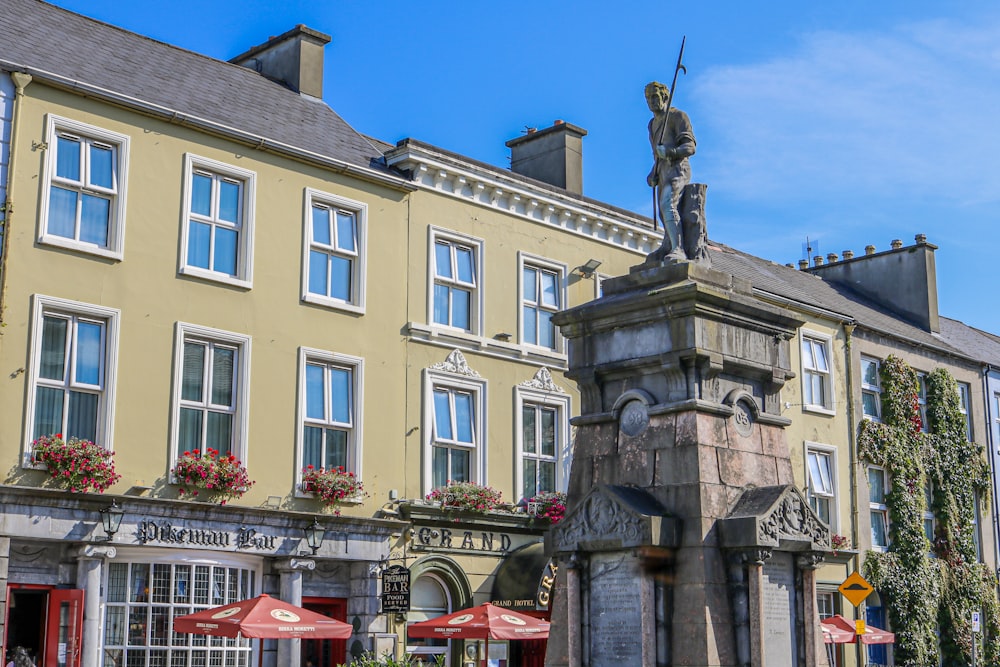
[681,485]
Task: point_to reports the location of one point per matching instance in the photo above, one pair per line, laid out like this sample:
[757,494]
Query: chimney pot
[790,265]
[803,264]
[818,260]
[920,238]
[831,257]
[848,254]
[896,244]
[558,121]
[869,250]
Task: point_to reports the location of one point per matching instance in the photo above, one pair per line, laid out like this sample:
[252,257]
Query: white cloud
[909,113]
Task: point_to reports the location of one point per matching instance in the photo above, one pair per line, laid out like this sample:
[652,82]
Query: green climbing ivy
[924,593]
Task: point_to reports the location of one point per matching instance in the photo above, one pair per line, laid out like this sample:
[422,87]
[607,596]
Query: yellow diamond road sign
[855,589]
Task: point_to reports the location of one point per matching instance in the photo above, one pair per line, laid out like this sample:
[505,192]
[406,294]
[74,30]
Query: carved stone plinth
[680,494]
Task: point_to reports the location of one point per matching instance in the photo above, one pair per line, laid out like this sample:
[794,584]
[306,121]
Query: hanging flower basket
[221,478]
[467,497]
[77,465]
[332,486]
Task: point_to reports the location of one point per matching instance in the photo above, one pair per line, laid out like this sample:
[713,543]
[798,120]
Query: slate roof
[955,338]
[98,54]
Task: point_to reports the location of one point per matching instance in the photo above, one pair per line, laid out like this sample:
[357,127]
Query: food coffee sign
[395,589]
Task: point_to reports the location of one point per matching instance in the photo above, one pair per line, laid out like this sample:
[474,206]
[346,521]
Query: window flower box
[222,478]
[77,465]
[550,505]
[467,497]
[332,486]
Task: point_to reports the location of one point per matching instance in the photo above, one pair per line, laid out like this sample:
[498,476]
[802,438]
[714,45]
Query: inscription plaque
[615,613]
[778,623]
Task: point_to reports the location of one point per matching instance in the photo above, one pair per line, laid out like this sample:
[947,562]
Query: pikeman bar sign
[395,589]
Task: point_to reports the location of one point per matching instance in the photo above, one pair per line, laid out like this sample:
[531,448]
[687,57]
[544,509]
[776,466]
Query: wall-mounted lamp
[587,270]
[111,519]
[314,536]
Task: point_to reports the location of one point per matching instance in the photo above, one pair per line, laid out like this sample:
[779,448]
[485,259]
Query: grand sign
[467,541]
[164,532]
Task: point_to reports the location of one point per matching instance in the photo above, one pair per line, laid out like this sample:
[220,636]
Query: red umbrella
[838,630]
[486,621]
[265,617]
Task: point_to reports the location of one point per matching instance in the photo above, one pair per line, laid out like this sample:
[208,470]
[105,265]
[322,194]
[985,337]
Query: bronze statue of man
[672,140]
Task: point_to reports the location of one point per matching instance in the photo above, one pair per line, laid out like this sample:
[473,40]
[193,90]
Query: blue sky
[848,123]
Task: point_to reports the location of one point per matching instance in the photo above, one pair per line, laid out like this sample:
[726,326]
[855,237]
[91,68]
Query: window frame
[245,240]
[875,390]
[434,379]
[832,498]
[356,303]
[477,300]
[540,264]
[185,331]
[880,508]
[828,406]
[355,435]
[112,322]
[965,406]
[922,400]
[562,404]
[56,125]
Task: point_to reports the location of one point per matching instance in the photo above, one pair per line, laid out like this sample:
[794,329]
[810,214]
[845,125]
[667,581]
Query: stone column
[755,579]
[572,570]
[4,574]
[815,655]
[89,575]
[290,590]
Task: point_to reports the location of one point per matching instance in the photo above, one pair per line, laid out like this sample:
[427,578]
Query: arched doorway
[438,587]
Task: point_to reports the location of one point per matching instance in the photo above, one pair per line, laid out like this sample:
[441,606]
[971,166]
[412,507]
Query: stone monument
[686,542]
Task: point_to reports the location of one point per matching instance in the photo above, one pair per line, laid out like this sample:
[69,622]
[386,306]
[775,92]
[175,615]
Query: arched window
[429,598]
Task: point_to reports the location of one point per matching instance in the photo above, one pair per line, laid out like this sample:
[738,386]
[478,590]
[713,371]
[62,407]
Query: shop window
[142,599]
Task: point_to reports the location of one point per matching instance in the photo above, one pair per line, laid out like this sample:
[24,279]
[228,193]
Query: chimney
[831,257]
[903,279]
[294,58]
[553,155]
[848,254]
[818,260]
[803,264]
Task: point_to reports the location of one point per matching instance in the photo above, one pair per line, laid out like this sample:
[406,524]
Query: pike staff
[666,119]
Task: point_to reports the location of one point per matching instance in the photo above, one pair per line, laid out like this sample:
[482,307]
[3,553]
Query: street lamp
[111,519]
[314,535]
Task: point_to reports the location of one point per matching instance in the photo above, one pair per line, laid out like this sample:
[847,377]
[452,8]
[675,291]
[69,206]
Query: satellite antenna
[810,249]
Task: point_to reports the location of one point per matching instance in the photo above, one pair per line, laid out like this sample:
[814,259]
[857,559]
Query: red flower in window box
[467,497]
[77,465]
[332,486]
[221,477]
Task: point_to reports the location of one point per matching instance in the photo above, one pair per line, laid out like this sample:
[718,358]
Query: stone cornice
[468,181]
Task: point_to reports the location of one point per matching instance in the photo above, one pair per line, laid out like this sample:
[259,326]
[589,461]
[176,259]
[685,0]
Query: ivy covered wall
[930,586]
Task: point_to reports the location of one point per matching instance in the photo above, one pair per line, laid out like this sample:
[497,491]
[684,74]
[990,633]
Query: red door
[64,628]
[325,652]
